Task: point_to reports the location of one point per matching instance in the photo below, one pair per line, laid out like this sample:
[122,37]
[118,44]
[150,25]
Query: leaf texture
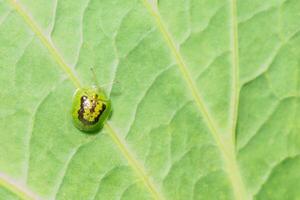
[208,107]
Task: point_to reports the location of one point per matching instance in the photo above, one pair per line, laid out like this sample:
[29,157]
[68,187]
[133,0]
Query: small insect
[90,108]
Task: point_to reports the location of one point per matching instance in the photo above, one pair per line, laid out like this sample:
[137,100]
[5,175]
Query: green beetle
[90,109]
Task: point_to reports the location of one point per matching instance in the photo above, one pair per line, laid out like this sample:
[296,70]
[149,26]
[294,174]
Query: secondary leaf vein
[16,189]
[226,150]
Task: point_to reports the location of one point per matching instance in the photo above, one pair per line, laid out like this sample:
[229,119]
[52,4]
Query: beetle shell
[90,109]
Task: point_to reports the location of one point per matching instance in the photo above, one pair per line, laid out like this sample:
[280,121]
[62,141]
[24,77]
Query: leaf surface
[208,107]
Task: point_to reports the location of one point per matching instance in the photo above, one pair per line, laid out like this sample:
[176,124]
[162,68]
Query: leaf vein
[54,52]
[16,188]
[46,41]
[133,162]
[226,150]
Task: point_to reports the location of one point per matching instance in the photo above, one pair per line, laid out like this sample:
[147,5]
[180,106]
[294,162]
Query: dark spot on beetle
[83,98]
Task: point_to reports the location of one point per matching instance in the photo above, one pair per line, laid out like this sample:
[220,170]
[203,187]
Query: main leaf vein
[59,59]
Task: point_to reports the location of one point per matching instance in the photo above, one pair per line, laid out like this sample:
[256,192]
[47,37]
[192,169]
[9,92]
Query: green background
[208,107]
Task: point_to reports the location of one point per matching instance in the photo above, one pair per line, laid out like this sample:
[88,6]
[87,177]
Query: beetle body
[90,109]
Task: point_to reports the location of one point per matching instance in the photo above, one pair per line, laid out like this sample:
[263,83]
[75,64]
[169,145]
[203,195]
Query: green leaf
[208,107]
